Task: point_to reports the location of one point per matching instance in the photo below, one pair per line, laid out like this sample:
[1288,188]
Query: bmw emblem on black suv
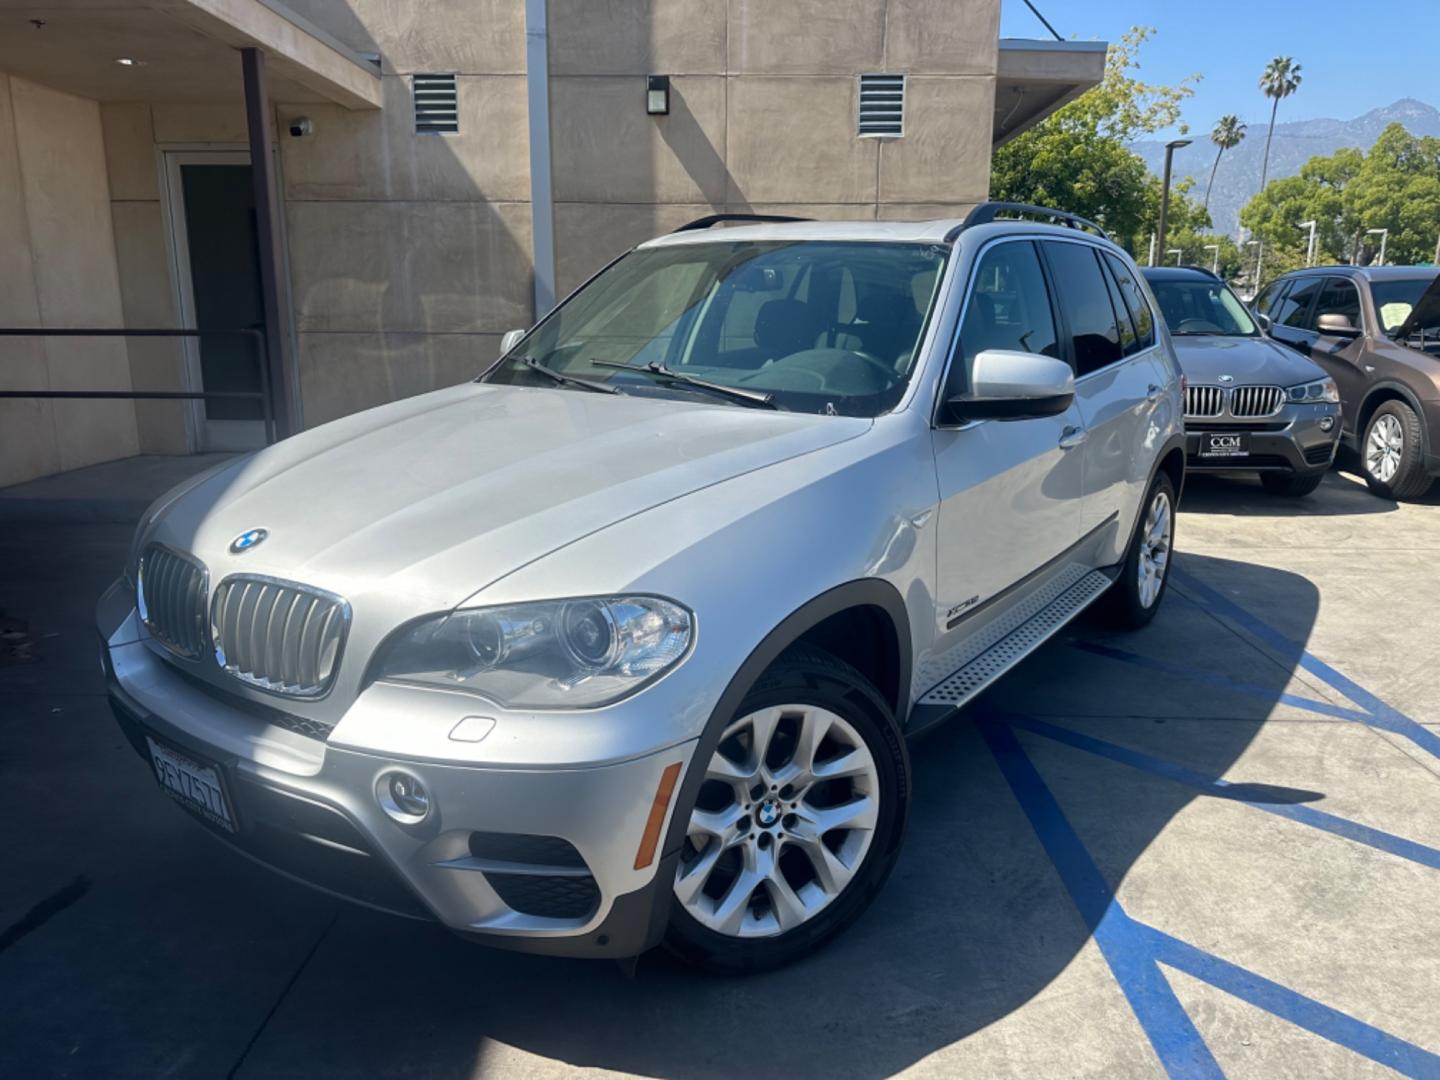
[247,540]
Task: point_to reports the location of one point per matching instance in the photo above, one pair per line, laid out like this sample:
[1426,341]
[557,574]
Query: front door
[1342,356]
[1010,490]
[217,270]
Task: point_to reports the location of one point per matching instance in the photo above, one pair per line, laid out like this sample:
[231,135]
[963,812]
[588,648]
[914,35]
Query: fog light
[1326,423]
[403,797]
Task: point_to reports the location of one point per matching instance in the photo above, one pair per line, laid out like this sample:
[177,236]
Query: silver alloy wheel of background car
[1155,548]
[782,823]
[1384,448]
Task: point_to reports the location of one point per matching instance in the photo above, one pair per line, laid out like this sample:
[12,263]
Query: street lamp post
[1215,260]
[1177,252]
[1259,246]
[1384,236]
[1170,148]
[1310,248]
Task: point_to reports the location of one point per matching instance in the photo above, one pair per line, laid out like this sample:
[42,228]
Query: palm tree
[1280,79]
[1228,132]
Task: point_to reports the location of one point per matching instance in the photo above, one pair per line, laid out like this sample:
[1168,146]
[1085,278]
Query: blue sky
[1354,56]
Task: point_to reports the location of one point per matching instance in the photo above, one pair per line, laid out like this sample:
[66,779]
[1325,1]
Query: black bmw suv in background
[1251,405]
[1376,331]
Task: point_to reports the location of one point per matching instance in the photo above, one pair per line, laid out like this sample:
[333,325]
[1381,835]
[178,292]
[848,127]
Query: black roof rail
[715,219]
[987,212]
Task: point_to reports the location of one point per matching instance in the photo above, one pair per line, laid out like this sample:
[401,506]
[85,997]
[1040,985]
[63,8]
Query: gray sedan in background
[1251,404]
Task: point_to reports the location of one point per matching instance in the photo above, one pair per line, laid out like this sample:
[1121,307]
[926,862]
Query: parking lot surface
[1210,847]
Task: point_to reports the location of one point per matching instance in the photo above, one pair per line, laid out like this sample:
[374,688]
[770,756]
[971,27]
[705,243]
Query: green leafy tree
[1229,132]
[1280,79]
[1076,159]
[1316,194]
[1397,187]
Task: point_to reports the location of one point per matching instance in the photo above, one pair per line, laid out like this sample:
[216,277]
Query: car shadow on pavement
[1241,494]
[974,923]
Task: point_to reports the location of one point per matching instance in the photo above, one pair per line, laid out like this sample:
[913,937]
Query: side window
[1269,298]
[1293,310]
[1008,308]
[1085,304]
[1139,307]
[1339,297]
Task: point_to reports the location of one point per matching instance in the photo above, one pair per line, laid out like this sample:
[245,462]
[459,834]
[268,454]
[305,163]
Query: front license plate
[1224,444]
[194,784]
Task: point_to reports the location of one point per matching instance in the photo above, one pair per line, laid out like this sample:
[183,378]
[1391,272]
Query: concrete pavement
[1078,895]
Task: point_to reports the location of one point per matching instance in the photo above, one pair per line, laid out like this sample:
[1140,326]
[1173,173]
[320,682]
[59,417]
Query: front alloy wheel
[796,821]
[784,819]
[1135,597]
[1155,548]
[1393,452]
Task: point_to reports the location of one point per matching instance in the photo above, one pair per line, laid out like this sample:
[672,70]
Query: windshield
[1395,300]
[812,326]
[1194,307]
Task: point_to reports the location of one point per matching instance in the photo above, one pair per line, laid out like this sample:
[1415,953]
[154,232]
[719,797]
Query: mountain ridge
[1295,142]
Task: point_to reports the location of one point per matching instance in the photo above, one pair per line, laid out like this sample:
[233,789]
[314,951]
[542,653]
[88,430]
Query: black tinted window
[1134,297]
[1270,296]
[1009,308]
[1339,297]
[1292,310]
[1084,301]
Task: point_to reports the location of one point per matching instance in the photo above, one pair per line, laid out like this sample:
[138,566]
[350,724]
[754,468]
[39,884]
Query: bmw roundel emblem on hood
[247,540]
[1223,378]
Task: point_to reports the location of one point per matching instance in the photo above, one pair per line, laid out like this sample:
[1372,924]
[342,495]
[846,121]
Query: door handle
[1071,437]
[1153,394]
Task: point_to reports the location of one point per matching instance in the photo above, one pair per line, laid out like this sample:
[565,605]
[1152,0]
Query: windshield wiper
[660,371]
[532,364]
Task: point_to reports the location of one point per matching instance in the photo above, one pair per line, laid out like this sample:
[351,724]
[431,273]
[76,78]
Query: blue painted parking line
[1305,815]
[1134,950]
[1378,713]
[1167,1025]
[1221,682]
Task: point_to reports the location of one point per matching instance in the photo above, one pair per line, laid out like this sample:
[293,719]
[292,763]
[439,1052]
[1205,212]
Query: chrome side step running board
[966,682]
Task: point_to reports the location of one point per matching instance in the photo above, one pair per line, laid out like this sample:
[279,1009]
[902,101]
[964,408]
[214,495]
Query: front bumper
[540,859]
[1293,441]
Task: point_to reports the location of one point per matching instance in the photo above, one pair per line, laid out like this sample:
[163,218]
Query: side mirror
[1266,323]
[1007,385]
[510,340]
[1336,326]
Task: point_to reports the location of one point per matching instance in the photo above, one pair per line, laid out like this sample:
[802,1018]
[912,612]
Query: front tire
[798,821]
[1290,486]
[1391,453]
[1135,597]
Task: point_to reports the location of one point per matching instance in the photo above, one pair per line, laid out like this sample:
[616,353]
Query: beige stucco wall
[57,269]
[762,113]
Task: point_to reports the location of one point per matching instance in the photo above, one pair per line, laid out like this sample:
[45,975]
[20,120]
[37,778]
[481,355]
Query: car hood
[438,496]
[1248,360]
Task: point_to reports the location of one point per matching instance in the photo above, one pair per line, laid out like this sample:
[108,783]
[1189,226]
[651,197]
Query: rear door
[1119,383]
[1010,490]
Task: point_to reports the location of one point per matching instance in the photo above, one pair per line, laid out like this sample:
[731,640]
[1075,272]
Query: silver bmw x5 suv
[622,642]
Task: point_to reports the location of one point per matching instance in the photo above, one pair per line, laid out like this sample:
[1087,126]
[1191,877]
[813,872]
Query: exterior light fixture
[127,61]
[657,95]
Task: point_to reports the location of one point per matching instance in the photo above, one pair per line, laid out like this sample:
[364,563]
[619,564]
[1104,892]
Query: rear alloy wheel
[1391,452]
[1135,597]
[796,823]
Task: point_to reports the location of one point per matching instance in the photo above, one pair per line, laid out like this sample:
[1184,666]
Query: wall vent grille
[437,105]
[882,106]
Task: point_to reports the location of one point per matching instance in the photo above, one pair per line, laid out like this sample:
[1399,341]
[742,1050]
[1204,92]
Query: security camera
[301,126]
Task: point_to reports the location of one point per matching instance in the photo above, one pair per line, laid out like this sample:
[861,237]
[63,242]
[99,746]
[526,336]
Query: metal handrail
[267,404]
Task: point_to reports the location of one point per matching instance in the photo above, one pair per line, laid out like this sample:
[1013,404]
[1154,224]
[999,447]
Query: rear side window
[1293,309]
[1135,302]
[1085,305]
[1269,297]
[1008,308]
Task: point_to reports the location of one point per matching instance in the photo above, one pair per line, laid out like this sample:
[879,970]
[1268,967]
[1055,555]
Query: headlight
[554,654]
[1311,393]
